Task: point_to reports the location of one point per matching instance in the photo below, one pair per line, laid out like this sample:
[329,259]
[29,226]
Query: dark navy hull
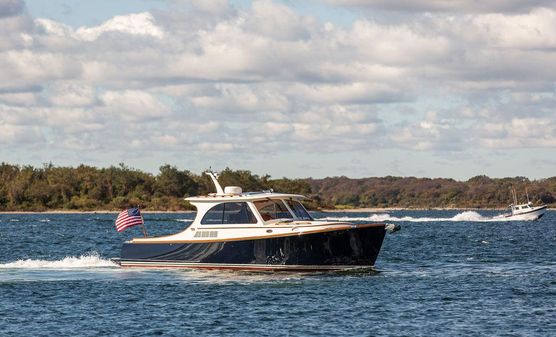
[342,249]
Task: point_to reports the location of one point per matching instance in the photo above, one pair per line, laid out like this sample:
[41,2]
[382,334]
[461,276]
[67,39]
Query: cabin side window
[229,213]
[272,210]
[299,211]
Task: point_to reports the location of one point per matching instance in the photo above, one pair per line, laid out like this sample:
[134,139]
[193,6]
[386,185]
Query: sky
[422,88]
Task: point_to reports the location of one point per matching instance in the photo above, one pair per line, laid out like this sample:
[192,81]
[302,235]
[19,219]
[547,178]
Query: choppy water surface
[444,273]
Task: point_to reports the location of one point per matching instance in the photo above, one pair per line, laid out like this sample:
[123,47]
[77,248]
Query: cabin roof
[247,196]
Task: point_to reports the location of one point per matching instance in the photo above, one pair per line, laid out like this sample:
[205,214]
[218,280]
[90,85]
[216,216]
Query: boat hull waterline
[351,249]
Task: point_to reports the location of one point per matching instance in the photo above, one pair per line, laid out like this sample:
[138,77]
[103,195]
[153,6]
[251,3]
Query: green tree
[175,183]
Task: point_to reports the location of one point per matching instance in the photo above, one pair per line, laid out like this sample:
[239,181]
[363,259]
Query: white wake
[471,216]
[92,260]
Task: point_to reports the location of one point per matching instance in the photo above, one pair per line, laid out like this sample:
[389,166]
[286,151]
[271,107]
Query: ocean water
[445,273]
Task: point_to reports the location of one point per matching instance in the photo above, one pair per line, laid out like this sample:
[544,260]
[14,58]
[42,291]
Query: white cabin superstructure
[292,219]
[524,212]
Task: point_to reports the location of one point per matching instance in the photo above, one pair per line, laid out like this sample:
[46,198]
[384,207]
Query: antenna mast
[214,177]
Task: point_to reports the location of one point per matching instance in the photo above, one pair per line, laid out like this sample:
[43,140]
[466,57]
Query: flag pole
[143,226]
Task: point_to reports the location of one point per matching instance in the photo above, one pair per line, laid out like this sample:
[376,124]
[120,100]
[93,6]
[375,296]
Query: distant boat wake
[84,261]
[470,216]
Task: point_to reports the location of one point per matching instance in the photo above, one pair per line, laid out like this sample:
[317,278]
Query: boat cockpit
[279,209]
[270,208]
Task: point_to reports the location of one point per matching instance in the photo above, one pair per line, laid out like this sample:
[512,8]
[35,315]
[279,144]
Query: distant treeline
[411,192]
[27,188]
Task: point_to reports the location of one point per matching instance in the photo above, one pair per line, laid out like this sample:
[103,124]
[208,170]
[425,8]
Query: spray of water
[470,216]
[92,260]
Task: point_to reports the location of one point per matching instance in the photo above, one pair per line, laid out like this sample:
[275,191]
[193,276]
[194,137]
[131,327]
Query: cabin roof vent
[232,190]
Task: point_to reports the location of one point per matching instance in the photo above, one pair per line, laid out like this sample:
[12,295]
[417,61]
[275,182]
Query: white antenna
[214,177]
[527,193]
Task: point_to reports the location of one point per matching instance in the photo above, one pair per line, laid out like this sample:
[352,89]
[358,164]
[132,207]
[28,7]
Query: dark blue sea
[445,273]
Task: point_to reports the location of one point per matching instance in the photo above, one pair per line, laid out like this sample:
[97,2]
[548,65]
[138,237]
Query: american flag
[129,217]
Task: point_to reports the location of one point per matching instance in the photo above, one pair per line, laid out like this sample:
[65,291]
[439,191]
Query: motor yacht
[258,231]
[524,212]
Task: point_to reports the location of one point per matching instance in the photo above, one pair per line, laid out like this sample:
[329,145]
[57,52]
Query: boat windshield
[272,209]
[299,211]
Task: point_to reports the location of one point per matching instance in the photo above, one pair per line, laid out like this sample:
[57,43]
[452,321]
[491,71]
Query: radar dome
[232,190]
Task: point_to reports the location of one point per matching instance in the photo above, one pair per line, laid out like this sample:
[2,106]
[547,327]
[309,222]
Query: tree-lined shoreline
[88,188]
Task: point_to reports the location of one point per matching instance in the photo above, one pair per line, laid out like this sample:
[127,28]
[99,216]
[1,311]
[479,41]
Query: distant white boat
[524,212]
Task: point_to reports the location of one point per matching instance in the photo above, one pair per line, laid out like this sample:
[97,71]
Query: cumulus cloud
[350,93]
[11,8]
[279,22]
[18,135]
[134,105]
[71,95]
[519,133]
[24,70]
[19,99]
[212,6]
[133,24]
[238,98]
[213,78]
[433,133]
